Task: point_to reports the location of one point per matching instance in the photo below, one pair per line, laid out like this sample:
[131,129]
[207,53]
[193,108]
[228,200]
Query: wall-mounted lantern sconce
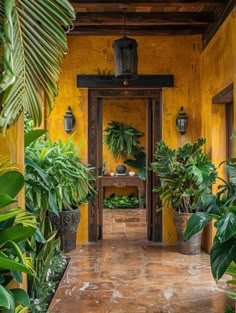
[181,121]
[69,120]
[125,58]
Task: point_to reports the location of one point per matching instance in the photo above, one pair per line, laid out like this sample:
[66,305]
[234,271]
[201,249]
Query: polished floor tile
[124,273]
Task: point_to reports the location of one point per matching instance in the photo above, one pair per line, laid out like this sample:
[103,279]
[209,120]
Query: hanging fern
[122,139]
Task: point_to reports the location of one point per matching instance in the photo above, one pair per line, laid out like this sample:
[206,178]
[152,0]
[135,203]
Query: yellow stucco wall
[218,70]
[179,56]
[12,146]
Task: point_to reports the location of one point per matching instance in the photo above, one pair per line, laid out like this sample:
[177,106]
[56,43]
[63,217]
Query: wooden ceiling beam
[212,29]
[124,3]
[133,18]
[138,30]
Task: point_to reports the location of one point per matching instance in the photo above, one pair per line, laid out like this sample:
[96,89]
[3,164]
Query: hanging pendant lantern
[126,59]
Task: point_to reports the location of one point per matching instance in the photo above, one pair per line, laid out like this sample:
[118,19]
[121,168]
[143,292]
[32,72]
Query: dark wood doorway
[95,115]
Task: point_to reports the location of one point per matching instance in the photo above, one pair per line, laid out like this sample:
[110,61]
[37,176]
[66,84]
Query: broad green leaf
[221,255]
[21,296]
[11,183]
[5,300]
[17,276]
[11,264]
[33,135]
[196,223]
[16,233]
[226,226]
[39,237]
[5,200]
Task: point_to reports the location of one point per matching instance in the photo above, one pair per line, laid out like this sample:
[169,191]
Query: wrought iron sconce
[125,58]
[181,121]
[69,120]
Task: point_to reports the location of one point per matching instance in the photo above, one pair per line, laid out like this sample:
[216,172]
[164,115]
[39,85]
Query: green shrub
[121,202]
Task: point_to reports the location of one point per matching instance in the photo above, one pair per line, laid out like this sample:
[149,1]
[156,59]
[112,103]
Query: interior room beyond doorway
[123,219]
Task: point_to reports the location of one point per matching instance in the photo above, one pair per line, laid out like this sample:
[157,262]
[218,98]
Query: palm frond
[33,43]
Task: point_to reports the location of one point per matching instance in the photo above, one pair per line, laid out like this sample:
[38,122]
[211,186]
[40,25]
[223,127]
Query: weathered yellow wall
[218,70]
[179,56]
[12,146]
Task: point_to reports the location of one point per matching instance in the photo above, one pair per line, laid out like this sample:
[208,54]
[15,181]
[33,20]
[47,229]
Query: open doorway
[150,109]
[123,195]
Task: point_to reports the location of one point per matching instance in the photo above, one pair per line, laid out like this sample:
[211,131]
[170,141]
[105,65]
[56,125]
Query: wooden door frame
[95,98]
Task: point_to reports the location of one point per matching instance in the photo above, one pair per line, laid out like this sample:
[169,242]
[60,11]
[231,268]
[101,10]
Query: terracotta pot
[191,246]
[67,224]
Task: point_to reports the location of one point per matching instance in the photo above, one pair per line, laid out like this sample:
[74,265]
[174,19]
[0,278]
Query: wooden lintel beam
[108,81]
[137,18]
[124,3]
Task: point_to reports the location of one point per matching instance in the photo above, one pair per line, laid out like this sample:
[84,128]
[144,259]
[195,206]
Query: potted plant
[185,174]
[220,208]
[58,182]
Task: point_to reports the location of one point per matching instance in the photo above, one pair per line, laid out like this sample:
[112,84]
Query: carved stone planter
[67,224]
[191,246]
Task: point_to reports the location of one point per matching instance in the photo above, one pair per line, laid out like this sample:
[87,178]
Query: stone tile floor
[124,273]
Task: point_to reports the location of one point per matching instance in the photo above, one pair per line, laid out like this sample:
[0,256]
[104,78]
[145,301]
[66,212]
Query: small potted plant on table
[185,174]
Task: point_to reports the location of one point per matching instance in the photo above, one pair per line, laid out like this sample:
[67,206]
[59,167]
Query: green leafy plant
[185,175]
[139,162]
[50,263]
[119,202]
[221,208]
[56,179]
[229,309]
[122,139]
[16,226]
[33,42]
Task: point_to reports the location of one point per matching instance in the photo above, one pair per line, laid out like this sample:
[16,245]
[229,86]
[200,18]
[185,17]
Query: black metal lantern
[126,59]
[69,120]
[181,121]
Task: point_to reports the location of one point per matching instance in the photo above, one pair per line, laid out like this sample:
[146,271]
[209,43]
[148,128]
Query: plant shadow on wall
[185,174]
[122,140]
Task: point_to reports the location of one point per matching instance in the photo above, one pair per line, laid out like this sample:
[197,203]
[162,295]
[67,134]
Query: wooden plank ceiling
[153,17]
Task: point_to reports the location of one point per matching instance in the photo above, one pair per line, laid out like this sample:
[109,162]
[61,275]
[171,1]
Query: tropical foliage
[16,226]
[139,162]
[33,42]
[185,175]
[50,264]
[56,179]
[122,139]
[220,208]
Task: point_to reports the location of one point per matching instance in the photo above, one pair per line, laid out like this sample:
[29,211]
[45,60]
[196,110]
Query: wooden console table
[123,181]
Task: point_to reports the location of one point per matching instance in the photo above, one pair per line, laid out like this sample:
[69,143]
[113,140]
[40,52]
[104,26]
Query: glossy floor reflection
[126,274]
